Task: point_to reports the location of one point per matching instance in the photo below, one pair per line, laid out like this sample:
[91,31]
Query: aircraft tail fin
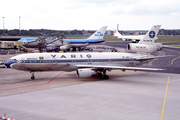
[151,35]
[116,33]
[99,34]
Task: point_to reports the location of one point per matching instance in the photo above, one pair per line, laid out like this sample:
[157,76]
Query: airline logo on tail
[116,33]
[99,34]
[152,34]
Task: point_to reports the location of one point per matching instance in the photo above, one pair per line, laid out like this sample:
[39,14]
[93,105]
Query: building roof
[10,38]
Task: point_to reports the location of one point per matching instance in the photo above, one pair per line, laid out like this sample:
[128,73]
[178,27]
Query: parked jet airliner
[135,38]
[88,64]
[97,37]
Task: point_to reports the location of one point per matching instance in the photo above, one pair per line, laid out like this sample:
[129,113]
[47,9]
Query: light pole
[19,26]
[3,25]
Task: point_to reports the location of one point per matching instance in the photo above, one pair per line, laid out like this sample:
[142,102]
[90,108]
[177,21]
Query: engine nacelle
[159,46]
[82,73]
[50,47]
[149,48]
[123,39]
[63,47]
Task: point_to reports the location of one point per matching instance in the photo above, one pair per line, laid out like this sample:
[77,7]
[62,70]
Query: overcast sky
[90,14]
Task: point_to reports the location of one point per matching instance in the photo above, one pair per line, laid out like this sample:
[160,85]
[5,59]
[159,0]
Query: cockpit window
[13,60]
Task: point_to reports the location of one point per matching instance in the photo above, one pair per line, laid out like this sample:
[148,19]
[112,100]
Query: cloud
[90,14]
[150,7]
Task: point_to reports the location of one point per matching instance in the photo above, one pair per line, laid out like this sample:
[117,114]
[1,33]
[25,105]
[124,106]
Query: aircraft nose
[8,64]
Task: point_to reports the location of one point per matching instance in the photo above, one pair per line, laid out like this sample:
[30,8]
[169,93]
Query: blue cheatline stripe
[8,63]
[77,60]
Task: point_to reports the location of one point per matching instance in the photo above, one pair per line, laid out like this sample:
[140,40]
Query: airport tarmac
[126,95]
[60,95]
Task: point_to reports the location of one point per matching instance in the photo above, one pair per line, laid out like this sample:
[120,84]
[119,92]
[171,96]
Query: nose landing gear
[32,76]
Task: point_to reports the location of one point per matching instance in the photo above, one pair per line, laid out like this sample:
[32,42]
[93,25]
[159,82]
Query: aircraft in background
[28,39]
[1,62]
[64,44]
[136,38]
[88,64]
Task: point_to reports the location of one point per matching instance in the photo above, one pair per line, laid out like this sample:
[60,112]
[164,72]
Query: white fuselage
[69,61]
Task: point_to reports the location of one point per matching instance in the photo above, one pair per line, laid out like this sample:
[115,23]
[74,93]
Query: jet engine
[149,48]
[51,47]
[159,46]
[82,73]
[123,39]
[63,47]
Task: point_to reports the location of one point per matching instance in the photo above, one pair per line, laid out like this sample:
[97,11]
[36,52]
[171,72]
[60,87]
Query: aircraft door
[73,61]
[54,61]
[22,61]
[89,61]
[130,60]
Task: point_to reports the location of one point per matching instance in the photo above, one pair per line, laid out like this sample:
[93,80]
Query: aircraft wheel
[106,77]
[100,75]
[74,49]
[32,77]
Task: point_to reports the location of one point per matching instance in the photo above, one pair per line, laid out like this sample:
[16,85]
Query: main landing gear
[32,76]
[103,75]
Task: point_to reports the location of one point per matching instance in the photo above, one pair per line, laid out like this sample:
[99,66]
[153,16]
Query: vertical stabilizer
[99,34]
[116,33]
[151,35]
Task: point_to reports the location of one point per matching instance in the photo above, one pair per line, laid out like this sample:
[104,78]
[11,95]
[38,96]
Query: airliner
[1,62]
[90,63]
[134,38]
[51,45]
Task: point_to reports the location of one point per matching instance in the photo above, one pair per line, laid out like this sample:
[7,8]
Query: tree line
[37,32]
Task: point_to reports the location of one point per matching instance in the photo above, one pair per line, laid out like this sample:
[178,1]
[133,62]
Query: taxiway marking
[165,98]
[174,60]
[33,85]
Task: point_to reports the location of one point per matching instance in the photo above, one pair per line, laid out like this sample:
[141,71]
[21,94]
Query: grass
[160,39]
[107,38]
[168,39]
[111,38]
[175,46]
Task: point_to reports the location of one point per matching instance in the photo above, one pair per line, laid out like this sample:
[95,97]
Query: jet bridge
[46,42]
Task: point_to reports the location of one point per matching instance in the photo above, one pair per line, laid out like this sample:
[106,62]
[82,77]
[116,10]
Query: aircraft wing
[154,57]
[116,67]
[133,37]
[130,37]
[125,67]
